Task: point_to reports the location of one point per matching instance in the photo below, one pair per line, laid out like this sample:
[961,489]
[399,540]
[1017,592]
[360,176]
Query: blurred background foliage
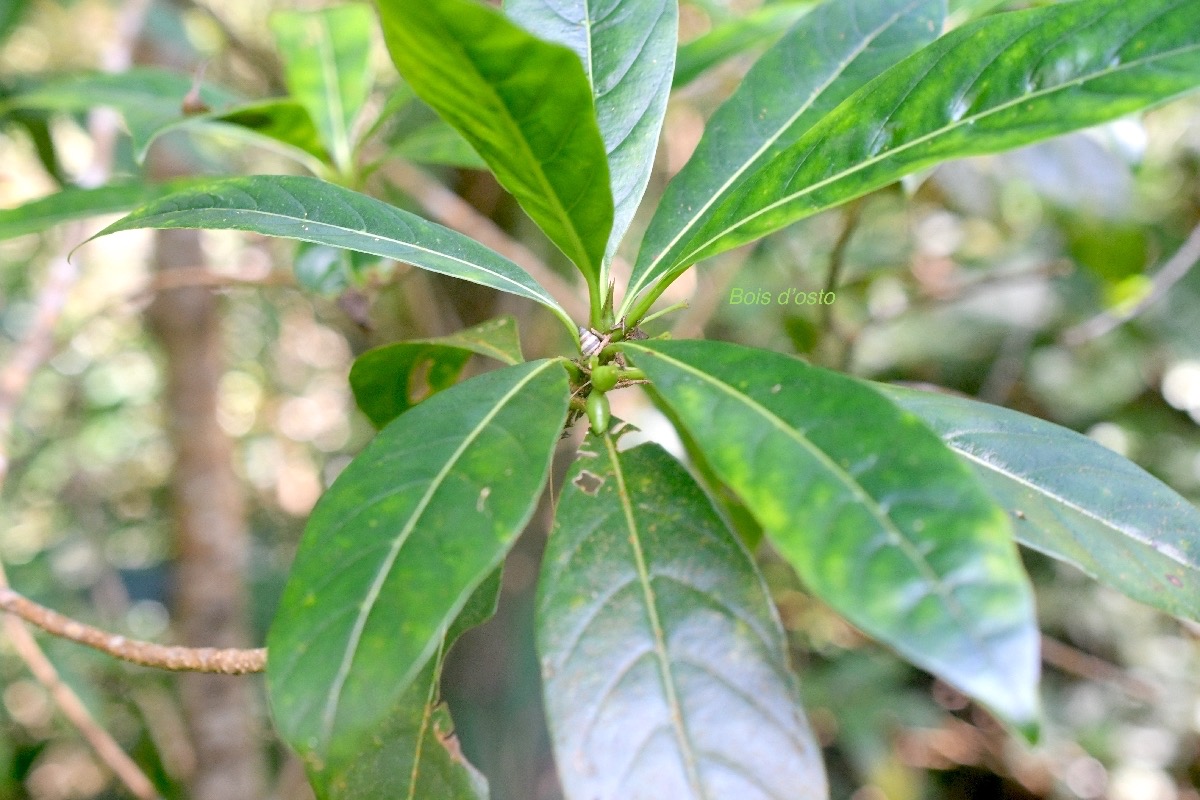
[976,276]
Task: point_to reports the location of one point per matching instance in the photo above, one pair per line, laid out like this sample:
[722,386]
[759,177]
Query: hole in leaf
[588,482]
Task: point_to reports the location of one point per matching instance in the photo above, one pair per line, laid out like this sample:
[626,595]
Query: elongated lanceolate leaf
[389,380]
[148,99]
[1002,82]
[74,203]
[628,52]
[312,210]
[876,515]
[396,546]
[414,755]
[664,664]
[1074,499]
[820,62]
[524,105]
[326,55]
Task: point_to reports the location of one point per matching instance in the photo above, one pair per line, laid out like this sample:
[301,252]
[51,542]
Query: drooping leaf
[628,52]
[414,755]
[74,203]
[326,58]
[389,380]
[1074,499]
[760,28]
[36,125]
[438,144]
[395,547]
[876,515]
[148,99]
[524,105]
[664,664]
[821,61]
[1004,81]
[312,210]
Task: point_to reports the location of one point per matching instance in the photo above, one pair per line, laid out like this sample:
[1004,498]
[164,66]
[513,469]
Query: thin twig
[837,257]
[1173,271]
[1085,665]
[228,661]
[452,211]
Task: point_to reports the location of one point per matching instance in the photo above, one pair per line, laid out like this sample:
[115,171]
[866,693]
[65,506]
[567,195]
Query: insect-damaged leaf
[664,664]
[395,547]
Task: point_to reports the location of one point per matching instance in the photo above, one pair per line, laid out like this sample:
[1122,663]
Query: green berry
[604,378]
[598,411]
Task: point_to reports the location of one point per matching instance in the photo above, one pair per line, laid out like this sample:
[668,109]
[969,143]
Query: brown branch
[1076,662]
[229,661]
[837,256]
[452,211]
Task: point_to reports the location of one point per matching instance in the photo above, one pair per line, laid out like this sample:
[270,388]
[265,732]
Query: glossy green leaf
[414,755]
[664,665]
[1004,81]
[75,203]
[395,547]
[1074,499]
[326,59]
[524,105]
[760,28]
[311,210]
[389,380]
[628,52]
[820,62]
[148,99]
[876,515]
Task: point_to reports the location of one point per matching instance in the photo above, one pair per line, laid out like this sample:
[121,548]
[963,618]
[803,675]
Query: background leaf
[820,62]
[395,547]
[326,59]
[1074,499]
[524,105]
[628,52]
[389,380]
[278,124]
[1002,82]
[148,99]
[878,518]
[665,668]
[760,28]
[312,210]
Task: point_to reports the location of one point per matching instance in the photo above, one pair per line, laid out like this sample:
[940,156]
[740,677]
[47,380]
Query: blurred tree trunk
[210,532]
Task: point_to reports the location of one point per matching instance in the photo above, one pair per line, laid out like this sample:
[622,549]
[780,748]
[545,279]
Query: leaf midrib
[690,224]
[333,699]
[961,122]
[660,645]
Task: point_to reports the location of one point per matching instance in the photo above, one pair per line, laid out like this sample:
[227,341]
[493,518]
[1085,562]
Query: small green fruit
[598,411]
[604,377]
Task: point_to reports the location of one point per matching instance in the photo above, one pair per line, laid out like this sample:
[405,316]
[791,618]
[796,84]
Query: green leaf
[440,145]
[11,12]
[1004,81]
[389,380]
[820,62]
[524,105]
[878,518]
[395,547]
[326,58]
[74,203]
[762,27]
[628,52]
[330,271]
[1074,499]
[414,755]
[664,663]
[274,123]
[148,99]
[312,210]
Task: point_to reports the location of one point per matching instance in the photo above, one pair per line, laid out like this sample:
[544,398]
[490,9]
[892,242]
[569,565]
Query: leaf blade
[72,203]
[1078,501]
[1136,57]
[827,55]
[876,516]
[314,211]
[377,581]
[641,563]
[628,51]
[523,104]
